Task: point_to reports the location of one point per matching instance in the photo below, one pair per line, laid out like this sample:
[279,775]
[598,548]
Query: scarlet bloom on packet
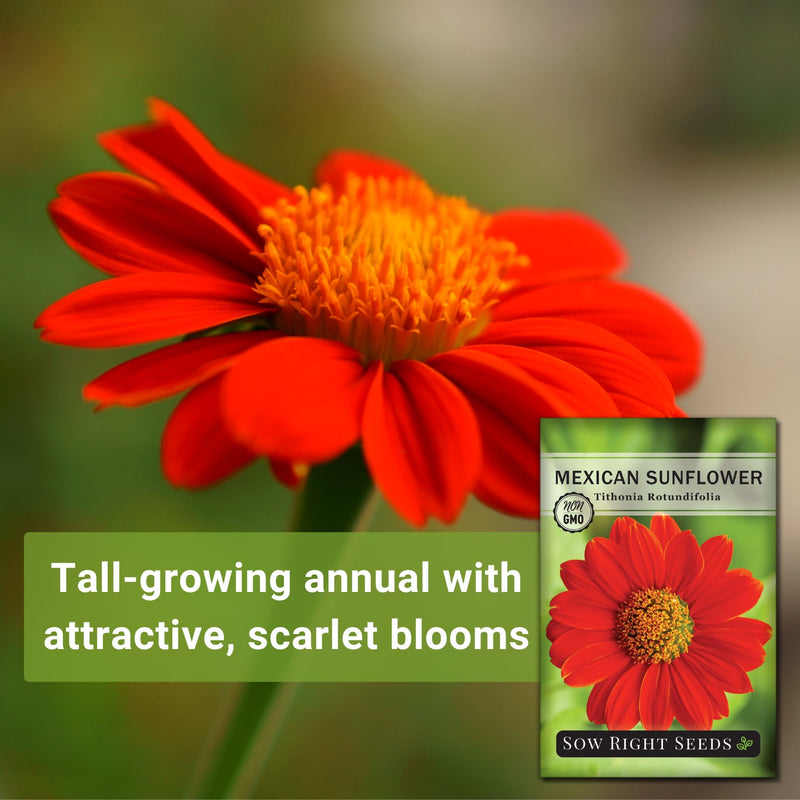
[653,622]
[368,309]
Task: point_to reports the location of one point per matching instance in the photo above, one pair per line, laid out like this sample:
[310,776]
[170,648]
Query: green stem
[253,701]
[337,497]
[215,736]
[254,758]
[334,495]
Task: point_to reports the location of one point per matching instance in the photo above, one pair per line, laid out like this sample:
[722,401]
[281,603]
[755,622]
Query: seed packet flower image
[656,624]
[369,310]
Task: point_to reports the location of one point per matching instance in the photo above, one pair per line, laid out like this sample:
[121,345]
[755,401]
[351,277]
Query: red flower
[367,309]
[652,619]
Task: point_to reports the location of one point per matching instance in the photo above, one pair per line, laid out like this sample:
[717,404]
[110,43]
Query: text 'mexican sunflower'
[367,309]
[652,621]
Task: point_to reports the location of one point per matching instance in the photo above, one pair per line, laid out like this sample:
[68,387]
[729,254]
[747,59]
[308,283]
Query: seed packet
[658,562]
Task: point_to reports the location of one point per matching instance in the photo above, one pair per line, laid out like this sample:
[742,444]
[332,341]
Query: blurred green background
[675,122]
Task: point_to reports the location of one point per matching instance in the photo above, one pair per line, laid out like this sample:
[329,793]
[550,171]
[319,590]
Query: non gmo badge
[573,512]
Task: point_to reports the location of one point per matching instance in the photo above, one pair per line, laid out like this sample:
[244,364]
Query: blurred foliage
[740,78]
[509,103]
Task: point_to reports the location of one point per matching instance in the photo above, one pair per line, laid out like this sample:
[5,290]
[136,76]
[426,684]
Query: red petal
[640,552]
[639,387]
[509,388]
[170,369]
[582,610]
[654,701]
[717,698]
[738,591]
[555,629]
[123,224]
[501,395]
[335,167]
[664,528]
[637,315]
[717,553]
[594,663]
[719,701]
[684,562]
[604,568]
[173,153]
[296,398]
[731,644]
[573,640]
[561,389]
[718,665]
[575,576]
[144,307]
[689,698]
[622,707]
[744,626]
[197,449]
[623,526]
[421,442]
[591,596]
[288,473]
[560,245]
[598,697]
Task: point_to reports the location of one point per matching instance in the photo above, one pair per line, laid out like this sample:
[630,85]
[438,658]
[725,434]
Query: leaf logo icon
[744,743]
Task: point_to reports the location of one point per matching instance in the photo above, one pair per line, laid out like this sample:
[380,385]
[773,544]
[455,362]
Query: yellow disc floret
[389,267]
[654,626]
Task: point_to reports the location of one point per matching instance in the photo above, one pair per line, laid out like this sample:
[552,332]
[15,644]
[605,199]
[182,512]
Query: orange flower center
[389,267]
[654,626]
